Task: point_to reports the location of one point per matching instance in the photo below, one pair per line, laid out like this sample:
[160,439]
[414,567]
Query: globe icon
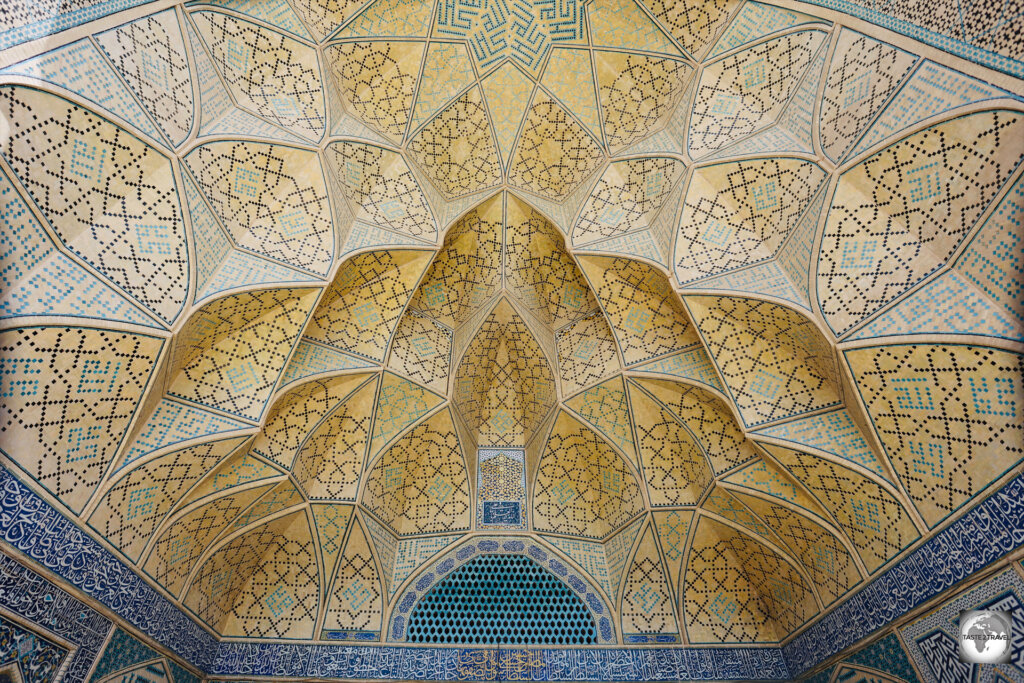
[984,637]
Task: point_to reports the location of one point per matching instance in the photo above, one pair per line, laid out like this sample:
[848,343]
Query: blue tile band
[984,534]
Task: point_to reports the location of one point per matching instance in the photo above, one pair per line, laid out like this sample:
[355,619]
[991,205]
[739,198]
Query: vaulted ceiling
[724,300]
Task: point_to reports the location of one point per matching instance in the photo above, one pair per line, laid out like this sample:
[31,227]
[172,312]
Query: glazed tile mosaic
[583,340]
[986,532]
[58,618]
[501,489]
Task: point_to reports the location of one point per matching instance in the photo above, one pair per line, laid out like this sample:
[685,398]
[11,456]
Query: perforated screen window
[502,599]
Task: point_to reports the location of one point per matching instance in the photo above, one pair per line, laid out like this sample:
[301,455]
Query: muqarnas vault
[607,340]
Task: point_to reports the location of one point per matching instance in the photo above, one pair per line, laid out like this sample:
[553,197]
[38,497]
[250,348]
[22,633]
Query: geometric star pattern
[739,286]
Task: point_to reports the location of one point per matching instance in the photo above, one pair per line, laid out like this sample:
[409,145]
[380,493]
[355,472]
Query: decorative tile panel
[130,230]
[501,489]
